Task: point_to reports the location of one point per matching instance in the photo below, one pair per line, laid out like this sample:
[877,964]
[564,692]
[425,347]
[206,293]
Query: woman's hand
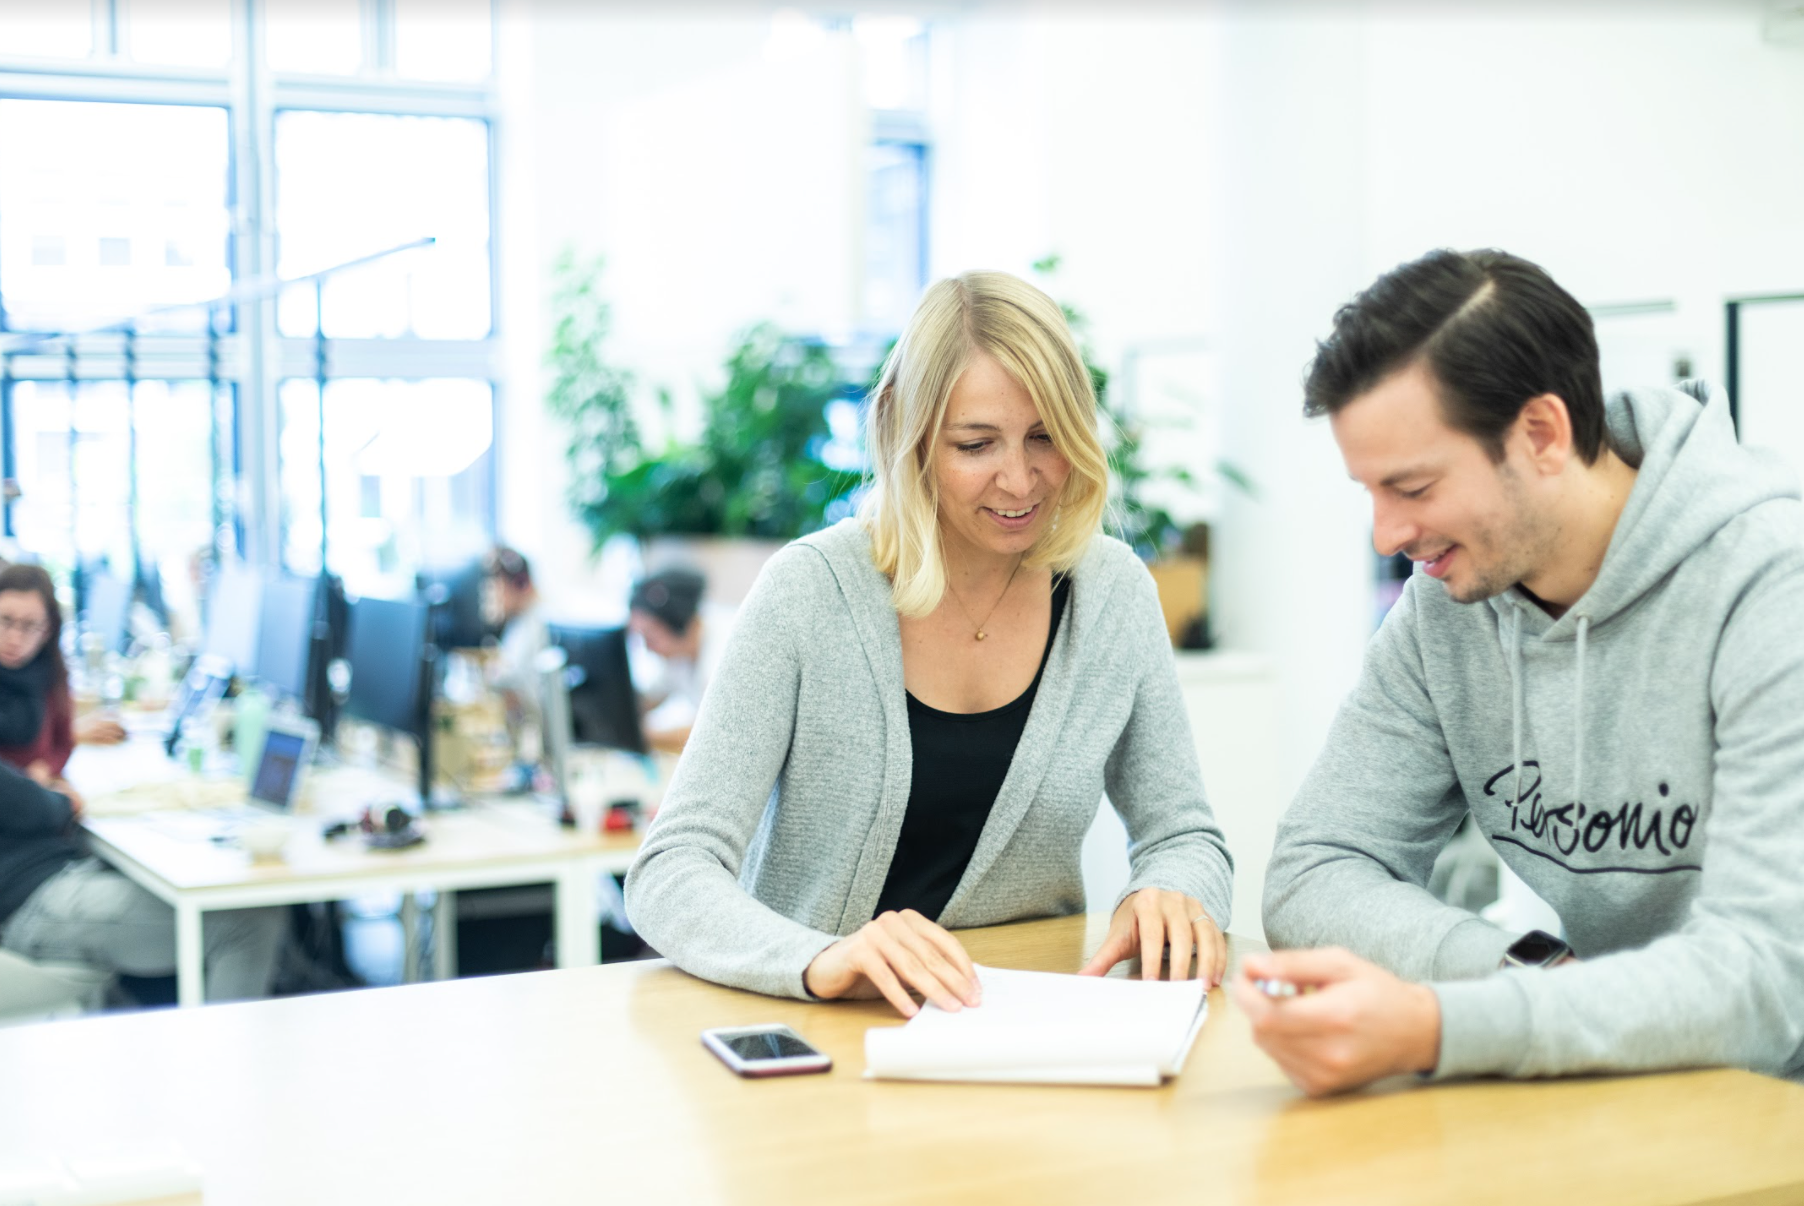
[1151,920]
[95,729]
[892,955]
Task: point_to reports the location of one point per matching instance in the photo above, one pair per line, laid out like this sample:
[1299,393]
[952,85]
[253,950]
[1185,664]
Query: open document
[1045,1028]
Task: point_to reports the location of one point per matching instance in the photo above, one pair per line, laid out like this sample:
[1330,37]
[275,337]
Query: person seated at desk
[666,614]
[55,902]
[1602,663]
[61,905]
[920,708]
[38,730]
[510,603]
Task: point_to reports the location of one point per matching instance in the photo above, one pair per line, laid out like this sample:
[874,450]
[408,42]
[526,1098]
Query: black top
[24,694]
[960,761]
[36,838]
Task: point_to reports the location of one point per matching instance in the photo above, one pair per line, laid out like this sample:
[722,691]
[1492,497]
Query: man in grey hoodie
[1602,662]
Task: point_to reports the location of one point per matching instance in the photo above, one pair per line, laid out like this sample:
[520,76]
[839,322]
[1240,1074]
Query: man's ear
[1543,429]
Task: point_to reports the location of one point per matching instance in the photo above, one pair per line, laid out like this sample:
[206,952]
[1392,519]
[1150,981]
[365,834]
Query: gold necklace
[998,603]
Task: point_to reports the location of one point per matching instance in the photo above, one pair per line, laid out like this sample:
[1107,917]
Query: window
[314,37]
[108,210]
[353,184]
[894,69]
[444,40]
[57,29]
[895,232]
[178,33]
[158,178]
[134,478]
[408,476]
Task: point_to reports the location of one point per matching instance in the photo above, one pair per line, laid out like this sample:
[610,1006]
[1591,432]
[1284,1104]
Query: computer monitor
[386,650]
[234,608]
[285,636]
[455,596]
[389,658]
[107,600]
[604,709]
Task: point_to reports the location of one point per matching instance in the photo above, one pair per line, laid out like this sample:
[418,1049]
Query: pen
[1276,988]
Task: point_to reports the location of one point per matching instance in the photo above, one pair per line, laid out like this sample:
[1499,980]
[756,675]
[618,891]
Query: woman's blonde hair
[1025,331]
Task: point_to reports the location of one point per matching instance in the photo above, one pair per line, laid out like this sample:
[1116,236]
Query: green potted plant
[754,473]
[592,397]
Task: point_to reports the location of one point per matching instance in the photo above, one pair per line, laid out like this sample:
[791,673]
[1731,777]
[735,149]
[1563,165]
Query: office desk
[150,833]
[589,1084]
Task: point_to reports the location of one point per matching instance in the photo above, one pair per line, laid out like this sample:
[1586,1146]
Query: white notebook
[1046,1028]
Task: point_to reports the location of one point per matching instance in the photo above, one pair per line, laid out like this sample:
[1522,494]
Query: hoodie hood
[1692,477]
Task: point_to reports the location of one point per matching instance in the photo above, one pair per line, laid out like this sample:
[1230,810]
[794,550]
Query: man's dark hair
[1493,330]
[672,596]
[505,563]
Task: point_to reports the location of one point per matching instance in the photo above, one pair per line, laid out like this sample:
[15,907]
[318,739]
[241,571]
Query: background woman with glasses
[37,716]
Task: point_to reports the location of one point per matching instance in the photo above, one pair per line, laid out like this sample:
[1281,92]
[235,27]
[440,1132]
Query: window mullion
[253,162]
[106,28]
[379,37]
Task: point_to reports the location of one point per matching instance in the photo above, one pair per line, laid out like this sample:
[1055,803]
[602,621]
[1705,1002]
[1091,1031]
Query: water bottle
[250,724]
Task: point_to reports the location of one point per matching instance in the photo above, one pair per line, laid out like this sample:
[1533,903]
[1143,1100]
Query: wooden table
[157,834]
[590,1085]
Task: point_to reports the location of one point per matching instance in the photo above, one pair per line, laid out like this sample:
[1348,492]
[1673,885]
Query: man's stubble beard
[1521,540]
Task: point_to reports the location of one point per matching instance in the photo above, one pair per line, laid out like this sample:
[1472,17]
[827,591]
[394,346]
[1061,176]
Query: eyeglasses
[25,628]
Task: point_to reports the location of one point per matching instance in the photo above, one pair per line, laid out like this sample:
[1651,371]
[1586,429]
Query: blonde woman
[921,708]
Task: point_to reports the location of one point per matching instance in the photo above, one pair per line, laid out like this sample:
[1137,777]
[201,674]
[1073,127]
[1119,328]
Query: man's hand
[1151,920]
[1350,1023]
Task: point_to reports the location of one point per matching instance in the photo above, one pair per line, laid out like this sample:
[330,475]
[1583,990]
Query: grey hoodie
[1639,762]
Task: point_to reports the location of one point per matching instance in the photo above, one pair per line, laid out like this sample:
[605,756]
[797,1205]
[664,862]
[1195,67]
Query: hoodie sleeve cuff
[1470,950]
[1484,1027]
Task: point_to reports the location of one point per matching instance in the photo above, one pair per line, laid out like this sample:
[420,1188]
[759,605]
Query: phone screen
[770,1044]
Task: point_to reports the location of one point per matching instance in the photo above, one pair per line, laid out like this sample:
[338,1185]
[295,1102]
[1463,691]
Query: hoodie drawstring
[1578,706]
[1516,696]
[1578,717]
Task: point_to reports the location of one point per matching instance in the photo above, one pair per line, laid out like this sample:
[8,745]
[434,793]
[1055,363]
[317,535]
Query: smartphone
[765,1051]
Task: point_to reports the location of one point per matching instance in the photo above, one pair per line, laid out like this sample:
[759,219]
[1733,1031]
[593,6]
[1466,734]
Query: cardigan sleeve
[683,893]
[1153,780]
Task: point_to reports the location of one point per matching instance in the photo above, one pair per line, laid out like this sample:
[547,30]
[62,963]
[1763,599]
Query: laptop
[288,747]
[275,785]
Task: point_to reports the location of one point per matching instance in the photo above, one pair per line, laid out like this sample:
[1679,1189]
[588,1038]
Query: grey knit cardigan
[776,833]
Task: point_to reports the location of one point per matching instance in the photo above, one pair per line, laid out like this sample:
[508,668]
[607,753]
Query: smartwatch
[1537,948]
